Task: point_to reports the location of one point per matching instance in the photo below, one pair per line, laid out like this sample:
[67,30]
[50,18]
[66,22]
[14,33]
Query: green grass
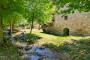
[49,38]
[9,51]
[78,50]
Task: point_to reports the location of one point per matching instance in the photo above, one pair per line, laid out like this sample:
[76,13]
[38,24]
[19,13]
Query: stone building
[71,24]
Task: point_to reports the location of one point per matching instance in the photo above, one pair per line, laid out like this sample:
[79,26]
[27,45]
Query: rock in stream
[34,52]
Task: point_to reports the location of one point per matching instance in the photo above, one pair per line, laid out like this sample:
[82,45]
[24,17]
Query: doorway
[66,31]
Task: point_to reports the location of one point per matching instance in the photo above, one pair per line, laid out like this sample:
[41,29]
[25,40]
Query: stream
[36,52]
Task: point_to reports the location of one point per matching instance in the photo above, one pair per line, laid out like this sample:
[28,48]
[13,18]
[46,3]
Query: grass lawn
[49,38]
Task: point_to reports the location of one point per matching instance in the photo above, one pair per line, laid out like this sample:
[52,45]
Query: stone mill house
[71,24]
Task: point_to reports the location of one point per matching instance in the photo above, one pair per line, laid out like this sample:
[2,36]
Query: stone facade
[77,23]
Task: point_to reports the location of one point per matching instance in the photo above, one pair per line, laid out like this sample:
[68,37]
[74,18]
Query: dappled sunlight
[50,38]
[41,38]
[30,28]
[77,49]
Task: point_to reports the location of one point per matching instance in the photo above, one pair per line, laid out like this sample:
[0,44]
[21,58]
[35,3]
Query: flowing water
[35,52]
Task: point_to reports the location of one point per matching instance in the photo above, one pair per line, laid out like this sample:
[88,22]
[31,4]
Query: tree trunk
[39,27]
[11,23]
[1,33]
[31,26]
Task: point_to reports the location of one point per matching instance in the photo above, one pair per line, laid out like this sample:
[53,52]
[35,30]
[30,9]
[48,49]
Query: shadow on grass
[34,38]
[54,34]
[78,49]
[63,35]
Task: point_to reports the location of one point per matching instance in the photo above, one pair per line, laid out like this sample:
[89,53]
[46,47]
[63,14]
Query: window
[53,17]
[53,20]
[65,17]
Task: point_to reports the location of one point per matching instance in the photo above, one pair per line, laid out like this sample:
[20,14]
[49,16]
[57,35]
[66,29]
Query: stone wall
[77,23]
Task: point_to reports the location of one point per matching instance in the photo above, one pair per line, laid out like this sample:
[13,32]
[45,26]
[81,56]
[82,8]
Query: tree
[7,8]
[40,11]
[1,32]
[80,5]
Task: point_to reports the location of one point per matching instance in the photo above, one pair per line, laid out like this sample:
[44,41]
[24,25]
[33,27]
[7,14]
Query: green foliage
[34,38]
[79,50]
[71,5]
[7,7]
[12,10]
[10,51]
[41,9]
[15,9]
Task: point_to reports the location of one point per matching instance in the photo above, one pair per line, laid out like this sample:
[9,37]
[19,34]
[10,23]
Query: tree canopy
[41,9]
[71,5]
[8,7]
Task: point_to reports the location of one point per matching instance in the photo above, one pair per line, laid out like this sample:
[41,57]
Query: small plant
[79,50]
[9,50]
